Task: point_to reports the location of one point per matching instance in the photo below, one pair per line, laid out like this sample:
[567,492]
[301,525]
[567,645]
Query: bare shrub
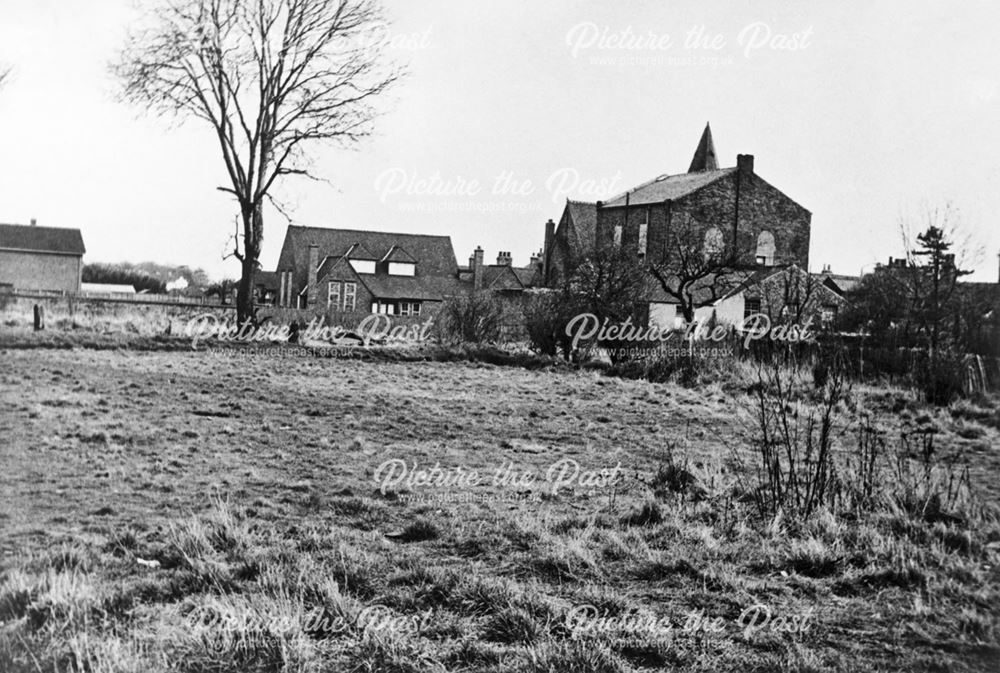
[792,441]
[476,318]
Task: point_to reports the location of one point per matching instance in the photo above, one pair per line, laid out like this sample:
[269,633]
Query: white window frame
[333,294]
[350,293]
[402,269]
[409,308]
[363,265]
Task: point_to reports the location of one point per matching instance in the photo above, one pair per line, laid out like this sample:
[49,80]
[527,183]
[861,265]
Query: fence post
[39,317]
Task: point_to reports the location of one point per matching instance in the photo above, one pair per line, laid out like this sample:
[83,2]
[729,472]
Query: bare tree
[697,269]
[272,78]
[936,259]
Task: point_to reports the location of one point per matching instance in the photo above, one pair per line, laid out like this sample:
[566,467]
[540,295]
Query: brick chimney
[477,269]
[504,258]
[312,293]
[34,222]
[536,258]
[550,234]
[744,162]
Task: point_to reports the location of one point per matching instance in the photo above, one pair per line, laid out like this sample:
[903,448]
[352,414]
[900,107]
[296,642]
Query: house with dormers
[350,271]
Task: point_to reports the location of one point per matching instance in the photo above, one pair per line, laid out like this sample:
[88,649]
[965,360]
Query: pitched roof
[584,217]
[397,254]
[434,254]
[501,277]
[41,239]
[667,187]
[426,288]
[529,276]
[360,252]
[704,158]
[839,282]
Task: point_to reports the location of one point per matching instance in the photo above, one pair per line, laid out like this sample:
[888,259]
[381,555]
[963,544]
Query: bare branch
[273,79]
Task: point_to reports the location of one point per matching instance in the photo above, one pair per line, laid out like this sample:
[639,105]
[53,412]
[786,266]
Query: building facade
[48,259]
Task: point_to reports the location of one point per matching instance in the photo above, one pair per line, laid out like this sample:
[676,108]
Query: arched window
[714,243]
[765,248]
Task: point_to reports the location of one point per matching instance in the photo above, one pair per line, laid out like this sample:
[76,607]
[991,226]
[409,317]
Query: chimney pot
[744,162]
[34,222]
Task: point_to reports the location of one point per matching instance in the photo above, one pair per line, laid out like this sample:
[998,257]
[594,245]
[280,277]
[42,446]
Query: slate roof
[501,277]
[427,288]
[397,254]
[434,254]
[840,283]
[41,239]
[670,187]
[360,252]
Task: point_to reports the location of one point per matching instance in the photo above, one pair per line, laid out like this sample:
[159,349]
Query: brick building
[345,272]
[41,258]
[732,209]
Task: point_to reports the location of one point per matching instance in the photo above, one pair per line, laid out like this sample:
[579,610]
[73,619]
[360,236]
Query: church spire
[704,157]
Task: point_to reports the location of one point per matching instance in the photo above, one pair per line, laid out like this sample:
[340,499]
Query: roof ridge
[367,231]
[667,176]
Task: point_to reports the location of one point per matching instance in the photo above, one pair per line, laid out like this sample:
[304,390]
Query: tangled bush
[476,318]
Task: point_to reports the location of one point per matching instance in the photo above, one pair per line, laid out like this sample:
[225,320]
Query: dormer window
[402,269]
[361,259]
[399,262]
[363,265]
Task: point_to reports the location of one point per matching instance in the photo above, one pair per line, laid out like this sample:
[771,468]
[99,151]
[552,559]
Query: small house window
[751,307]
[350,296]
[333,295]
[402,269]
[409,308]
[618,235]
[363,265]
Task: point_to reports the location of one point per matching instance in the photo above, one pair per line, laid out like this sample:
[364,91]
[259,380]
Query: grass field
[193,512]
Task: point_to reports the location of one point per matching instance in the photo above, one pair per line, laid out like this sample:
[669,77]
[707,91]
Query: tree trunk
[244,293]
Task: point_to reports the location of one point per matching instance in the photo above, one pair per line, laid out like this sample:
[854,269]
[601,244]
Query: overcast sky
[869,112]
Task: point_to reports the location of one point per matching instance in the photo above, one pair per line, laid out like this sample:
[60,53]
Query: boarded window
[715,244]
[765,248]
